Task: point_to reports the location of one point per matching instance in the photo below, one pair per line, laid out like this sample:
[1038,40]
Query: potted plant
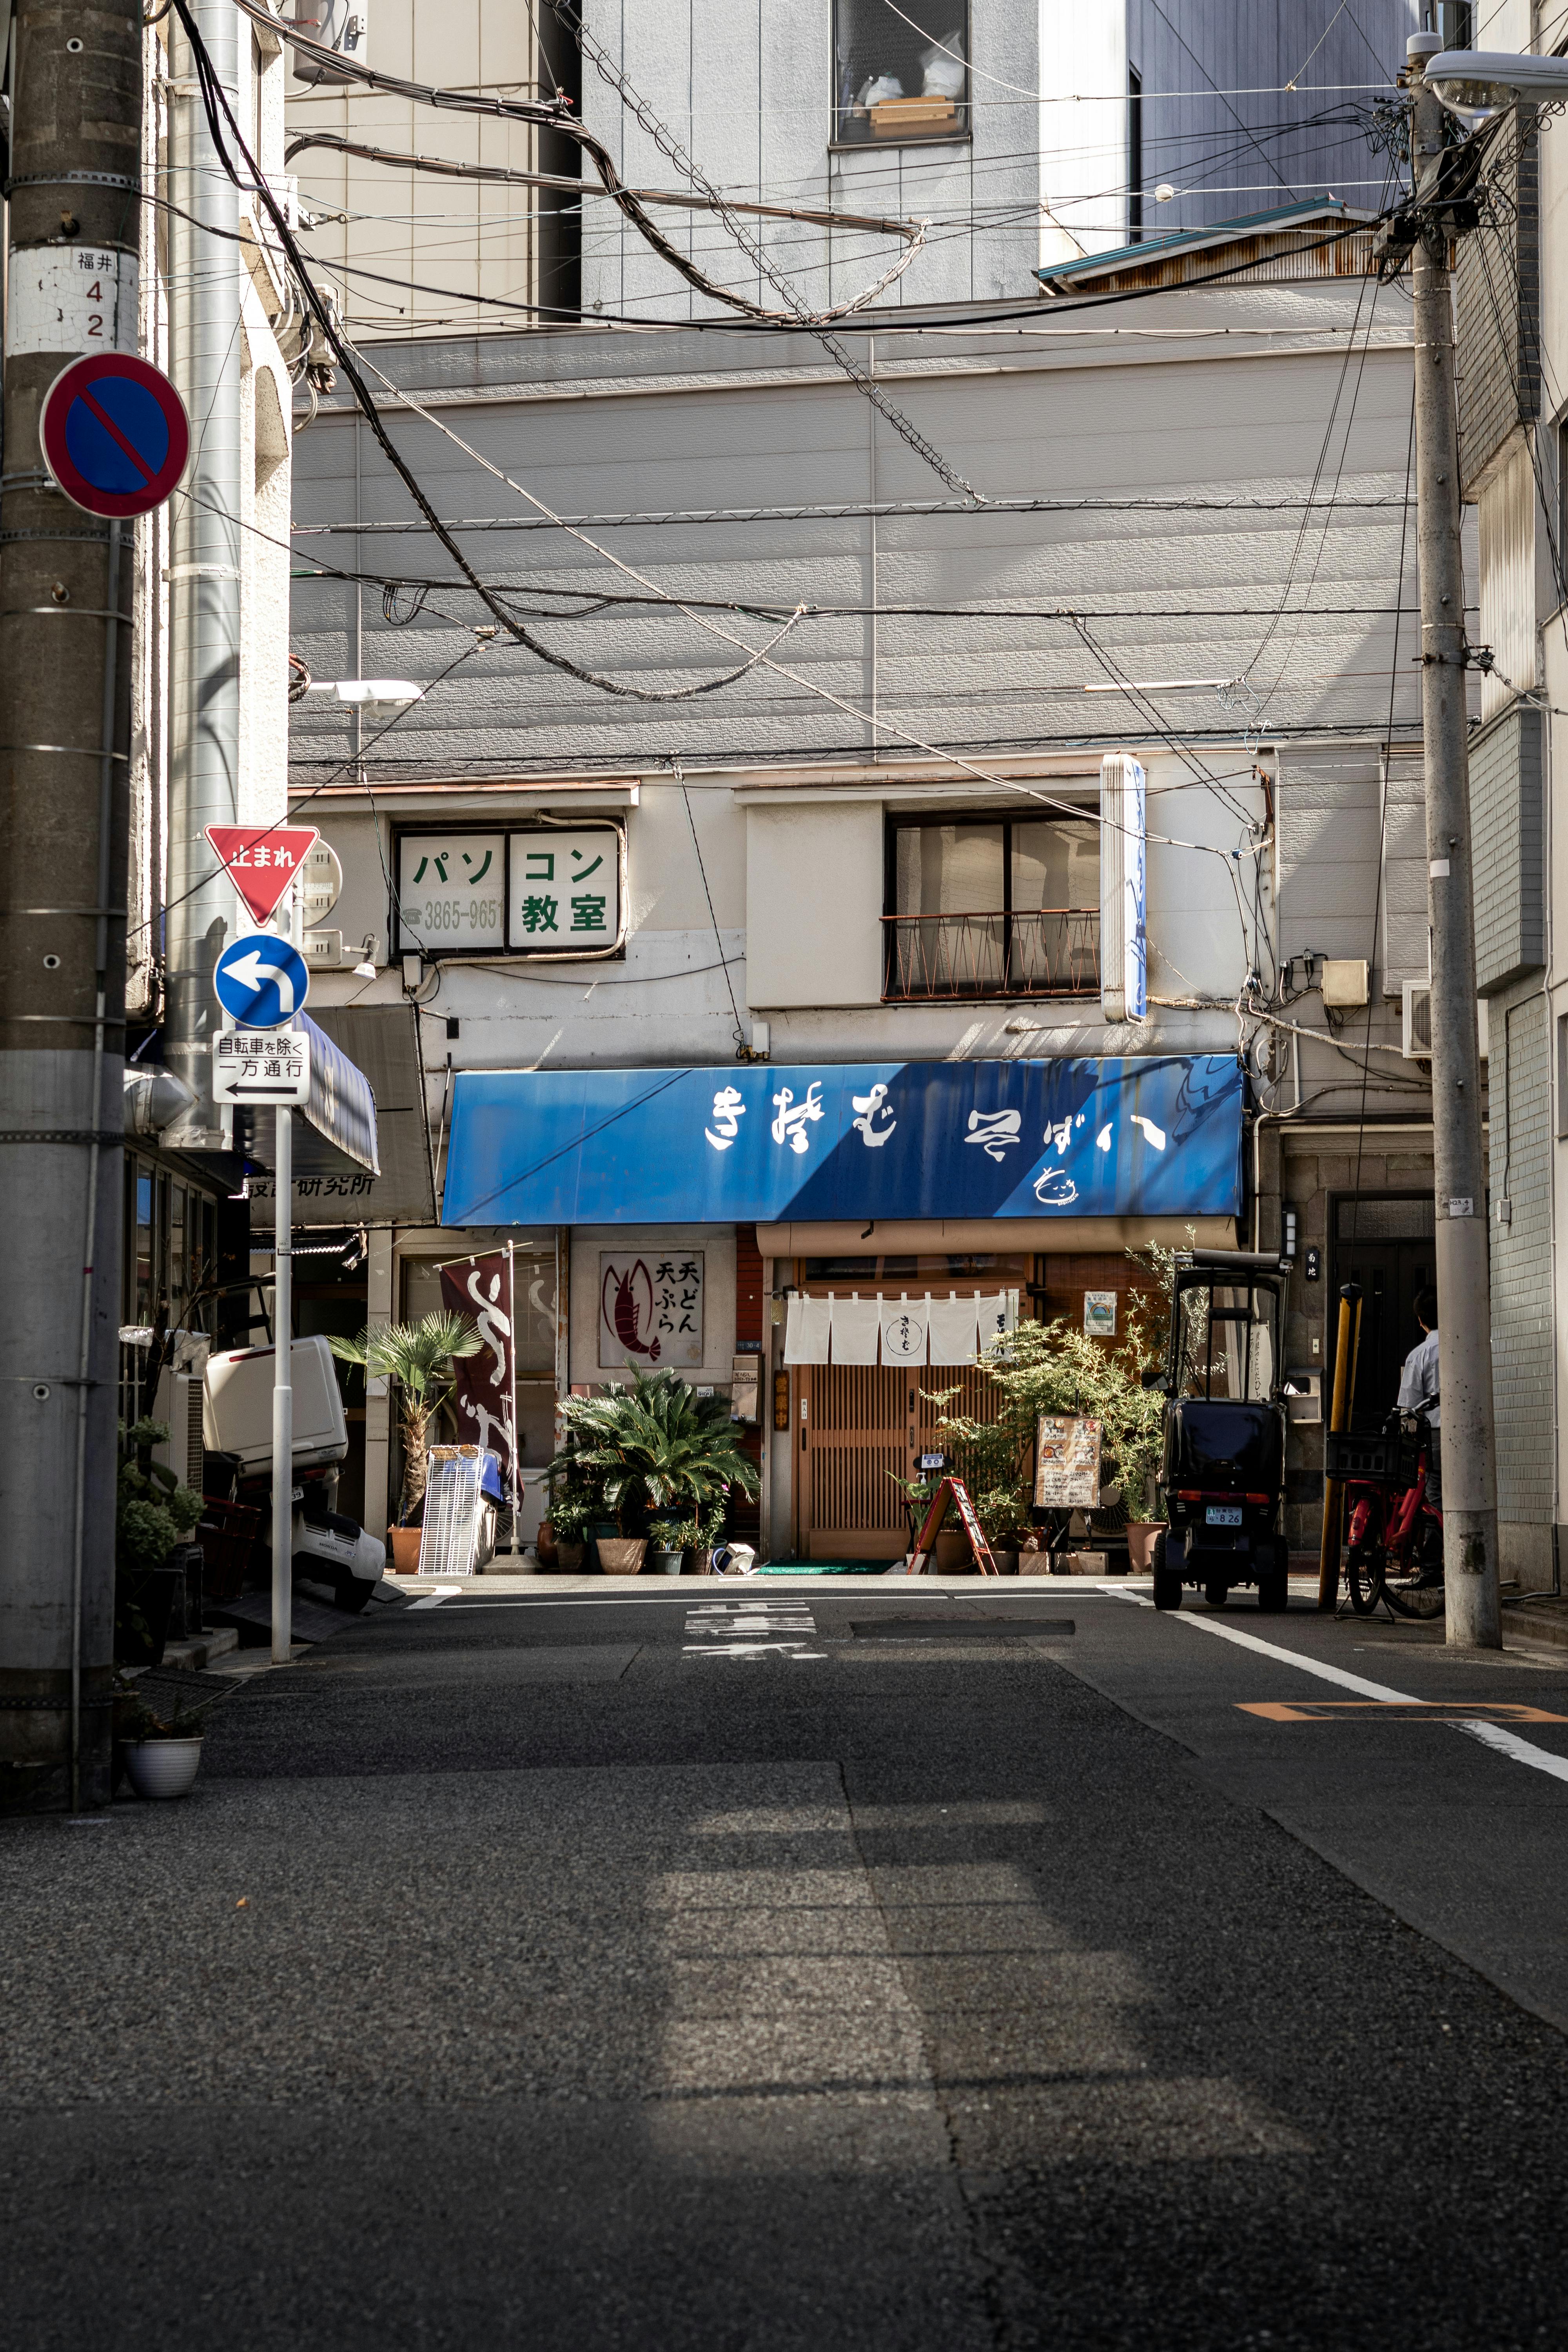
[1141,1436]
[666,1542]
[418,1357]
[151,1513]
[645,1450]
[1040,1368]
[160,1757]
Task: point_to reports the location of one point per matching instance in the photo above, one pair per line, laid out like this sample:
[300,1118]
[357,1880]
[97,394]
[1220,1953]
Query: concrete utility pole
[65,676]
[205,272]
[1464,1288]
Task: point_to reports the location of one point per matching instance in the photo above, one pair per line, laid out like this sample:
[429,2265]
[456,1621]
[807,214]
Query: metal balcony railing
[1052,952]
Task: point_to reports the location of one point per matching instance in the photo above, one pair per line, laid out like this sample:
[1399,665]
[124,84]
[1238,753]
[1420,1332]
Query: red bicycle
[1394,1548]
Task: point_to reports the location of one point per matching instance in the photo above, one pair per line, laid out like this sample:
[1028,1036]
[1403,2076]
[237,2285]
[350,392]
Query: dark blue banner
[1154,1136]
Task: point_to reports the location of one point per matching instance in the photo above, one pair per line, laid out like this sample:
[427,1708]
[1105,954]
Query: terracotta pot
[952,1554]
[1141,1535]
[569,1558]
[1006,1560]
[544,1544]
[403,1544]
[622,1555]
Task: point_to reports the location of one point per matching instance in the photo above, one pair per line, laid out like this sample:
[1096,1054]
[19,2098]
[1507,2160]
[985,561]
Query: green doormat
[828,1568]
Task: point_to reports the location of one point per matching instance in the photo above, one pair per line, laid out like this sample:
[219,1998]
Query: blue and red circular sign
[115,434]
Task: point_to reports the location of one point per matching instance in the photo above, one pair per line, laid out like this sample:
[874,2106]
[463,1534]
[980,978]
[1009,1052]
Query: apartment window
[1134,156]
[900,75]
[539,891]
[1454,21]
[992,906]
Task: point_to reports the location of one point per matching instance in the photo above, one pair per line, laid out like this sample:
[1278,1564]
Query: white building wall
[378,229]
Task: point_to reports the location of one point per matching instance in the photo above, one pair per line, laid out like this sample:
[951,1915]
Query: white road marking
[434,1599]
[750,1629]
[1509,1743]
[1325,1673]
[1490,1735]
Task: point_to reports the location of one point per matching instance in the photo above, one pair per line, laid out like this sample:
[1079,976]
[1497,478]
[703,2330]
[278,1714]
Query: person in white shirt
[1418,1380]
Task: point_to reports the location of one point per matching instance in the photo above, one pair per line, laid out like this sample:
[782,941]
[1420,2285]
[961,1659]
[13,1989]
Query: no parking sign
[115,434]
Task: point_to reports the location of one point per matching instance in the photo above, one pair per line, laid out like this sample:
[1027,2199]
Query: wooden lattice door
[854,1425]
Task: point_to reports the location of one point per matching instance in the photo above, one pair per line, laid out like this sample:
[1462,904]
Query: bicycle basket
[1381,1461]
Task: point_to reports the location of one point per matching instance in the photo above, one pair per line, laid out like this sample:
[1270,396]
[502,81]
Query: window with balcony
[899,76]
[992,906]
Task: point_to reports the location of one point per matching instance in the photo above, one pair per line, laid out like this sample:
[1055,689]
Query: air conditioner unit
[179,1404]
[1415,1037]
[1415,1040]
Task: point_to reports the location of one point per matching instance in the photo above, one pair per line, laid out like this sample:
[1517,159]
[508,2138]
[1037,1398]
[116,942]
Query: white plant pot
[162,1767]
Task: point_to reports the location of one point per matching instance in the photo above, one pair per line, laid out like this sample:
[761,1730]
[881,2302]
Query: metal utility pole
[65,676]
[1464,1290]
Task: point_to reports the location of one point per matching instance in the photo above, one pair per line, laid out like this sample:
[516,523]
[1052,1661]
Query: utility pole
[1464,1288]
[205,273]
[65,675]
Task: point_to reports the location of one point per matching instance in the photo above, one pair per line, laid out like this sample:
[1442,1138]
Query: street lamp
[1478,84]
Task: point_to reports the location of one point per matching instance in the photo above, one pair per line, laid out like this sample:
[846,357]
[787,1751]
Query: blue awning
[1155,1136]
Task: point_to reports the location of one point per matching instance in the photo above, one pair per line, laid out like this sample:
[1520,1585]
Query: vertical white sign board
[1123,939]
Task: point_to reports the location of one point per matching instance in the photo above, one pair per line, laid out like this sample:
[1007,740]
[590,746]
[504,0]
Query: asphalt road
[740,1969]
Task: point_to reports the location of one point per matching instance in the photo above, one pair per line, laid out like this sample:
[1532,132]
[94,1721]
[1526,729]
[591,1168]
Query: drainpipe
[203,573]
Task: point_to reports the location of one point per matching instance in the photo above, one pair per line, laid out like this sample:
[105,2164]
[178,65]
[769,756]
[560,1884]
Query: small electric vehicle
[1223,1469]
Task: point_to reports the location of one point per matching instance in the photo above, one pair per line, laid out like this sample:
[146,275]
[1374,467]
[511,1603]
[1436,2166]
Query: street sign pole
[283,1392]
[261,981]
[283,1373]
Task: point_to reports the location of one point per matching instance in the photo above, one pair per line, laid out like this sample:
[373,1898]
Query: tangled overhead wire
[393,612]
[223,126]
[557,117]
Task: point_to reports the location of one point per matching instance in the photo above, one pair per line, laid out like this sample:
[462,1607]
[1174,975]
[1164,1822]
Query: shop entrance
[858,1429]
[1389,1246]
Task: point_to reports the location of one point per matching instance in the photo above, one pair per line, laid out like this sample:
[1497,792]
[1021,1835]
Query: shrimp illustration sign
[650,1309]
[1152,1134]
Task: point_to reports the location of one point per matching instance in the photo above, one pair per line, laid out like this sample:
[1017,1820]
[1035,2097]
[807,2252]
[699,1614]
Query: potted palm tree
[418,1357]
[650,1450]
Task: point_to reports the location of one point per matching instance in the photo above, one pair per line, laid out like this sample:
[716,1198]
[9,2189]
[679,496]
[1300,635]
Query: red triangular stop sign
[261,860]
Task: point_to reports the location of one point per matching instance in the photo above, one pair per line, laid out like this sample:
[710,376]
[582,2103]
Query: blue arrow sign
[261,980]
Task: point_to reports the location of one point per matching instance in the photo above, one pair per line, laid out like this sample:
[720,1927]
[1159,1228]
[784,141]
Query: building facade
[1512,417]
[786,990]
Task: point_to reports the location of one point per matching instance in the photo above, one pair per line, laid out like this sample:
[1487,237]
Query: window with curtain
[993,907]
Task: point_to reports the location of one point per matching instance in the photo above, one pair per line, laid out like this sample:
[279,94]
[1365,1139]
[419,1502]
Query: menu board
[1067,1462]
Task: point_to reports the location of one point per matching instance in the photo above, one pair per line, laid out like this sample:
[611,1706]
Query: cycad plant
[418,1357]
[656,1447]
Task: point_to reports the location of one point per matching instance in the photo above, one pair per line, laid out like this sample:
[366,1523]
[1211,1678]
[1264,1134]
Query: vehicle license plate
[1222,1514]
